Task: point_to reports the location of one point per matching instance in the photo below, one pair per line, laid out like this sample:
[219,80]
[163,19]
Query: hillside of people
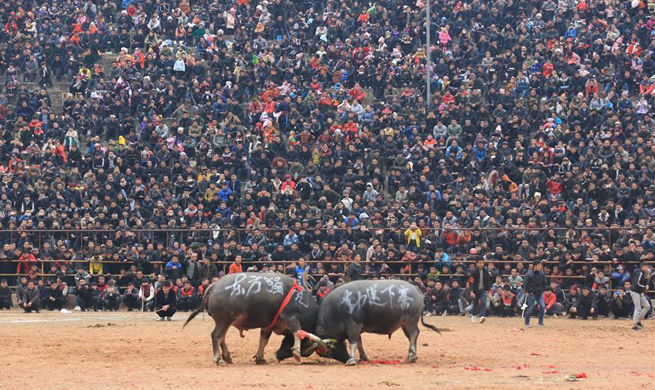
[151,140]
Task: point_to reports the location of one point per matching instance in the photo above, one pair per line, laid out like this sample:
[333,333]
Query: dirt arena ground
[131,350]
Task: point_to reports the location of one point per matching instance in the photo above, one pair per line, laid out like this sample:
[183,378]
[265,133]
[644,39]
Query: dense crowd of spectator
[262,131]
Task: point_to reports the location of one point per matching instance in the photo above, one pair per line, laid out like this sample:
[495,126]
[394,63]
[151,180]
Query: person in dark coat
[165,301]
[207,270]
[438,299]
[86,298]
[31,298]
[111,299]
[54,298]
[131,297]
[481,284]
[603,302]
[5,295]
[640,282]
[534,285]
[354,271]
[586,305]
[453,298]
[622,305]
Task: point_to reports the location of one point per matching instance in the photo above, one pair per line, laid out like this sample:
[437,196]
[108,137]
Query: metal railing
[224,266]
[79,238]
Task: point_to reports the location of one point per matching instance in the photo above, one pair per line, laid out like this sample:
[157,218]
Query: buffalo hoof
[220,363]
[296,353]
[351,362]
[363,358]
[227,359]
[260,361]
[412,359]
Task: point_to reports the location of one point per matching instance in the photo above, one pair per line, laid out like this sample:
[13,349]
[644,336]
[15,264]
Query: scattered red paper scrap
[551,372]
[476,368]
[535,354]
[581,375]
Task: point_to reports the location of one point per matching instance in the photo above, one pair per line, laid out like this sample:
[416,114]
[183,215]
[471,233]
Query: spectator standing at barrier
[640,282]
[301,272]
[236,267]
[31,298]
[193,269]
[534,285]
[166,302]
[25,262]
[413,237]
[54,298]
[207,270]
[5,295]
[173,268]
[481,285]
[355,270]
[131,297]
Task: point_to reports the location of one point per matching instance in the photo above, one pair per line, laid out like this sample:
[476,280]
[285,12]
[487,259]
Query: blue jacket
[224,193]
[444,260]
[480,153]
[457,152]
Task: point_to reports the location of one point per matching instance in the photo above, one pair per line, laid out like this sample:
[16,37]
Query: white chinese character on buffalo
[274,285]
[404,300]
[373,297]
[391,294]
[299,299]
[255,283]
[236,286]
[353,306]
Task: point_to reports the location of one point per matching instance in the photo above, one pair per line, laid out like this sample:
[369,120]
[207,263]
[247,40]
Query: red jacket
[549,299]
[357,93]
[507,301]
[187,293]
[25,262]
[451,237]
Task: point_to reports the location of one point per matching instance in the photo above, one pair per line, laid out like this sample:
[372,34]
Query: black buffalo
[371,306]
[252,300]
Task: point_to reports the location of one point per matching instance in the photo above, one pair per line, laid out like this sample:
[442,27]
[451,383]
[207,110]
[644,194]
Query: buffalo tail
[199,310]
[431,327]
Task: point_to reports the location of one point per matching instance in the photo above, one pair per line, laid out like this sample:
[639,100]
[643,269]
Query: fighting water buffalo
[372,306]
[272,302]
